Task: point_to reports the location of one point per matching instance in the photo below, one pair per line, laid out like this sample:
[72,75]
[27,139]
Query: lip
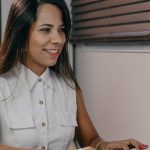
[54,52]
[51,50]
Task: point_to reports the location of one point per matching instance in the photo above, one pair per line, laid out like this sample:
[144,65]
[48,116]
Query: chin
[51,64]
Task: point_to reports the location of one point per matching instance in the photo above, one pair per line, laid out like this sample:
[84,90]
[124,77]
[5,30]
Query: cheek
[36,43]
[64,39]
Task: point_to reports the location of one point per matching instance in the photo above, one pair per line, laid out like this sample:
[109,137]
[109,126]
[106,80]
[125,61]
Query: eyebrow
[50,25]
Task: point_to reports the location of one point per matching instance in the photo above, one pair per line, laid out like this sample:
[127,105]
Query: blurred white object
[72,146]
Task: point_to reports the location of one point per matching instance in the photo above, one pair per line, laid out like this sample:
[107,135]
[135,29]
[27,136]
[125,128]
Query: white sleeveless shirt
[36,112]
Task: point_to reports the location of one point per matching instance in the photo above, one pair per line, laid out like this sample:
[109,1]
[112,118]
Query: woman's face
[46,39]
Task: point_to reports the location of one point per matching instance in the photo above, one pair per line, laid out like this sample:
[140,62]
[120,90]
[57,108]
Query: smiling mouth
[53,51]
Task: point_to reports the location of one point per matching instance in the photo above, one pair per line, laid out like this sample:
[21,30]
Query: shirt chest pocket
[18,122]
[66,119]
[66,124]
[23,130]
[62,133]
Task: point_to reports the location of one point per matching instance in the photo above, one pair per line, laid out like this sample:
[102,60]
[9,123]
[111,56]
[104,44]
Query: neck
[37,69]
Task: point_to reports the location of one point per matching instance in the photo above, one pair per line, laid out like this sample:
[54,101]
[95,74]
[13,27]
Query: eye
[62,29]
[45,30]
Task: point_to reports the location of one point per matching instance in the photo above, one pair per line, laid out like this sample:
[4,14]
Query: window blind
[110,20]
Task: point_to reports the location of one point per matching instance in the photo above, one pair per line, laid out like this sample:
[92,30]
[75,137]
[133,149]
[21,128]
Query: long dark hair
[22,14]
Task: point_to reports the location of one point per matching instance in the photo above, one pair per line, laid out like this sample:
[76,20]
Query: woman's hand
[118,145]
[122,145]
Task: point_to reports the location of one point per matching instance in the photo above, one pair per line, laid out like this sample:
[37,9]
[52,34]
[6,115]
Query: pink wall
[116,87]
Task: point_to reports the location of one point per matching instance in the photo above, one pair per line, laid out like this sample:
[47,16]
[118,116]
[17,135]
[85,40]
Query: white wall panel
[5,5]
[116,88]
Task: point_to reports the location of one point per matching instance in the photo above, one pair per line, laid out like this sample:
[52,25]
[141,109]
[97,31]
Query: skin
[46,41]
[47,33]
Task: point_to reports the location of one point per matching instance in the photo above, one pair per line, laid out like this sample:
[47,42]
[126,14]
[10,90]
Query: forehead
[48,13]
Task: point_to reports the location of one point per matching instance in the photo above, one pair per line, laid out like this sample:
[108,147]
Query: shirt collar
[47,77]
[29,78]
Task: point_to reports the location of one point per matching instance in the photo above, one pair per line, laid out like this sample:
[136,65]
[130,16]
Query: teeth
[51,50]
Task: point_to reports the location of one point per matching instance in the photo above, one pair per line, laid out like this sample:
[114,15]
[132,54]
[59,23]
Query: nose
[57,38]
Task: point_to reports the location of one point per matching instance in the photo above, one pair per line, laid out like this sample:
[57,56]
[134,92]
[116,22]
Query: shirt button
[41,102]
[40,79]
[43,124]
[43,147]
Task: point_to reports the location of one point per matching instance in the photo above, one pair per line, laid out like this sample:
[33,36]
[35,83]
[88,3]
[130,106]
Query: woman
[41,104]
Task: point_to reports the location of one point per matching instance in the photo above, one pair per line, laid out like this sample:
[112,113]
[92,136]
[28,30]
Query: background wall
[116,88]
[5,5]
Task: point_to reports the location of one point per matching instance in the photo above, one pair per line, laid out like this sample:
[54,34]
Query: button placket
[40,79]
[42,116]
[43,147]
[43,124]
[41,102]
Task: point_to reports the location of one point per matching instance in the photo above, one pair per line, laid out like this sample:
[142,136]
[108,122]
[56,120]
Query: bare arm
[86,133]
